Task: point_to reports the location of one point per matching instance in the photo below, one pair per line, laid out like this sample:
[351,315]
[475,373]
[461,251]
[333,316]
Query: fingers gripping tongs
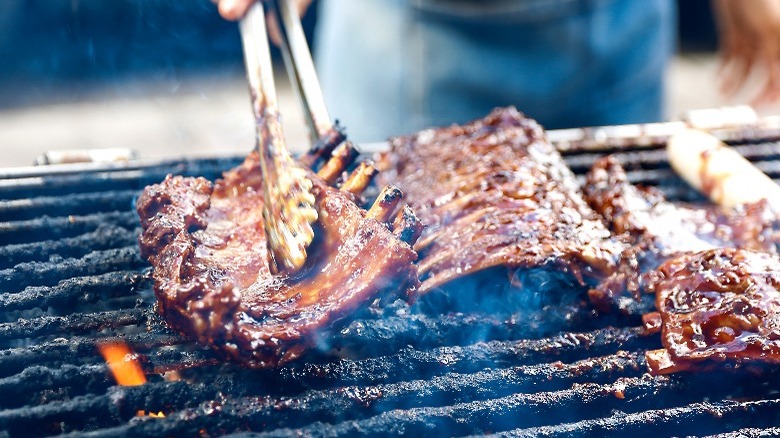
[288,209]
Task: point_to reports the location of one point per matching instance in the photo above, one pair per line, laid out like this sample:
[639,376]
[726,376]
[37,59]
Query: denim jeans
[390,67]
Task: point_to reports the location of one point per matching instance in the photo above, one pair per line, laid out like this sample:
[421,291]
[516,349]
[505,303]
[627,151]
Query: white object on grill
[105,155]
[719,171]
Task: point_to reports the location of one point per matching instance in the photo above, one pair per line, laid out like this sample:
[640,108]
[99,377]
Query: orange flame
[142,413]
[123,364]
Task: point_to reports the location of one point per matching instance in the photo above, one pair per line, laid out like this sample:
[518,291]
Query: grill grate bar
[51,272]
[61,381]
[46,227]
[639,395]
[84,349]
[118,405]
[71,204]
[750,432]
[368,337]
[463,359]
[39,186]
[106,236]
[161,361]
[291,380]
[350,403]
[657,158]
[37,384]
[630,394]
[357,402]
[694,419]
[72,324]
[43,182]
[474,417]
[78,290]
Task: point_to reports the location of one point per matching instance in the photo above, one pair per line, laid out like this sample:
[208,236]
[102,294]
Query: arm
[749,34]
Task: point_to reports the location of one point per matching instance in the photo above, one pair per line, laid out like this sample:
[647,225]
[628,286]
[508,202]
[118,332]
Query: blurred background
[165,78]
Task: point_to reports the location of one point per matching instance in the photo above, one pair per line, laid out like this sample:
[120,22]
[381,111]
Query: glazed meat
[657,229]
[644,214]
[496,193]
[720,305]
[212,274]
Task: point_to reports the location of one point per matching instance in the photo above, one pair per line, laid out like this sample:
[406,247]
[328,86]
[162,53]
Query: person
[389,67]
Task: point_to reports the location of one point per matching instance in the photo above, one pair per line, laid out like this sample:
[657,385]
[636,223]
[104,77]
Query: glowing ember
[142,413]
[171,376]
[123,364]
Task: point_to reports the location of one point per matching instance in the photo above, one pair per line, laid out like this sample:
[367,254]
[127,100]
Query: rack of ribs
[212,276]
[496,193]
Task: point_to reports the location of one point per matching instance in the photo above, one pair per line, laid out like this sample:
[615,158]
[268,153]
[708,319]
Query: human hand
[233,10]
[749,42]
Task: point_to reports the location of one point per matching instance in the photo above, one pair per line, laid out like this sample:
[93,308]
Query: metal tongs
[288,209]
[325,134]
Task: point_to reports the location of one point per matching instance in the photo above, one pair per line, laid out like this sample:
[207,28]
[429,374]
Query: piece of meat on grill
[212,274]
[715,306]
[495,193]
[644,214]
[657,229]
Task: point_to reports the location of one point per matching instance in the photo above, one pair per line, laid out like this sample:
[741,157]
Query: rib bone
[324,147]
[434,233]
[360,178]
[407,225]
[386,204]
[342,157]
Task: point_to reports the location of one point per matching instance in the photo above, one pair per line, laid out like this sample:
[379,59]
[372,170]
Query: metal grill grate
[71,277]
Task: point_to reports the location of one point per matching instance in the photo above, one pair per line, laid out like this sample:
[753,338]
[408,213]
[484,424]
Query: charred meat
[644,214]
[714,306]
[656,229]
[211,269]
[496,193]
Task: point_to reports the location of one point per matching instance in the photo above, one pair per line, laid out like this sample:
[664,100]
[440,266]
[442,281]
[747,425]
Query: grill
[71,278]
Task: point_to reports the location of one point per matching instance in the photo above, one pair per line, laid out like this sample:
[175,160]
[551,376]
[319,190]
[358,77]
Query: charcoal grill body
[71,277]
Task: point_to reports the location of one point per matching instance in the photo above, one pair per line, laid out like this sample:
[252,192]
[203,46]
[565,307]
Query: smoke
[532,303]
[496,304]
[503,291]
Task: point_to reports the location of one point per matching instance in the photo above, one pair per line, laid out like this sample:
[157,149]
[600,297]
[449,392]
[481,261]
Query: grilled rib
[715,306]
[213,280]
[496,193]
[656,230]
[644,214]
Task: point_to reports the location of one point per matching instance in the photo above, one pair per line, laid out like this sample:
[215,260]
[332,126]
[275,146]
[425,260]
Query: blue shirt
[390,67]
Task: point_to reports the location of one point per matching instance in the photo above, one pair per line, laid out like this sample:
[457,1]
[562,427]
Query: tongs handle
[288,207]
[259,69]
[300,67]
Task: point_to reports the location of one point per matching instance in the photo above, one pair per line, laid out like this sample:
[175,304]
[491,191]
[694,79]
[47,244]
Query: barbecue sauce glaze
[716,306]
[212,274]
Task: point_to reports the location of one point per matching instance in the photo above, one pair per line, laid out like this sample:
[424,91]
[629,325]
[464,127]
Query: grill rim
[21,172]
[567,141]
